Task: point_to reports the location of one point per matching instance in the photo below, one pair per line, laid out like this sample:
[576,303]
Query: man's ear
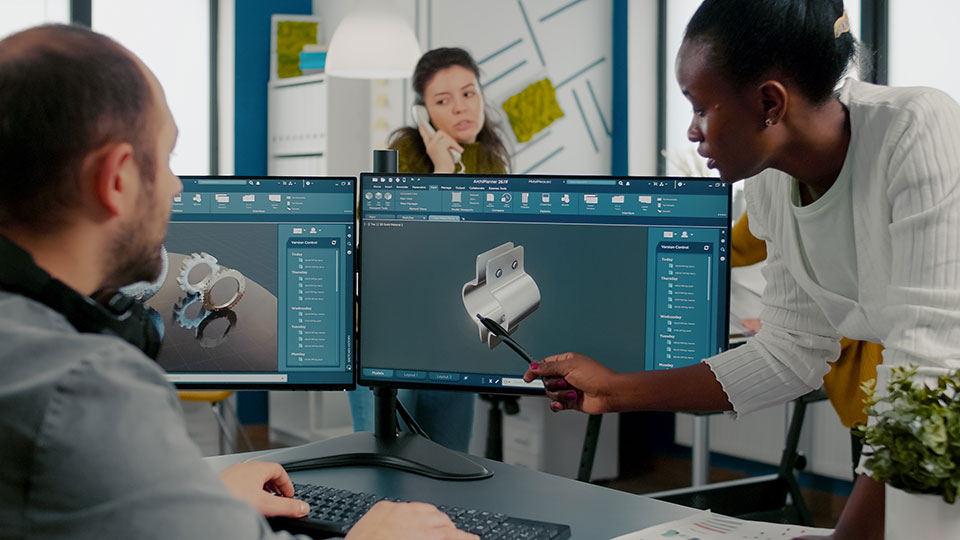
[773,101]
[112,166]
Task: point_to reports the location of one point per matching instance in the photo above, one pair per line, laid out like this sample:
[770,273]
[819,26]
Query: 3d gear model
[187,266]
[180,312]
[501,291]
[202,289]
[224,273]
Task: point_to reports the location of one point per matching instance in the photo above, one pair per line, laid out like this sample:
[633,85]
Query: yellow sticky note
[533,109]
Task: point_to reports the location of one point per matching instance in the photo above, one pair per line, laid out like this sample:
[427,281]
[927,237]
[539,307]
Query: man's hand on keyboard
[266,486]
[402,521]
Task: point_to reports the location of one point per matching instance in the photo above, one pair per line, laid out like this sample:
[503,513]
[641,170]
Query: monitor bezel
[356,257]
[358,362]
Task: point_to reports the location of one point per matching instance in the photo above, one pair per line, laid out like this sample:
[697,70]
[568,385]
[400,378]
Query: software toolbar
[254,197]
[412,198]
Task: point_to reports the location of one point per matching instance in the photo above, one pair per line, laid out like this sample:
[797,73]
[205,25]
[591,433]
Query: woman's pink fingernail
[571,395]
[555,406]
[561,383]
[534,365]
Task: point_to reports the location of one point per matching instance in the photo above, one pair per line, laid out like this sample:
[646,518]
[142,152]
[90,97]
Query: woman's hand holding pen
[575,381]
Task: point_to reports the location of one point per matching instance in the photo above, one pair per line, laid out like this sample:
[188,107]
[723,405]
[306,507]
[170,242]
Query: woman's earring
[768,122]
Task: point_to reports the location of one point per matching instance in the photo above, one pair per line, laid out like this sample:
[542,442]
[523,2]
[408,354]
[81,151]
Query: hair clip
[841,25]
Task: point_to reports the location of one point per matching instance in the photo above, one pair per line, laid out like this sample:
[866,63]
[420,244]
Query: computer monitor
[259,286]
[632,271]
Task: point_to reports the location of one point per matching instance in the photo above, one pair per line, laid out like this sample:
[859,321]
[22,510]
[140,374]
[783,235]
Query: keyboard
[334,511]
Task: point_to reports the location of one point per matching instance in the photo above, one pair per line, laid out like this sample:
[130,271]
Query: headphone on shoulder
[121,316]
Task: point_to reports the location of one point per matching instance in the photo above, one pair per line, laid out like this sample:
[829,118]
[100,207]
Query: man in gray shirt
[92,440]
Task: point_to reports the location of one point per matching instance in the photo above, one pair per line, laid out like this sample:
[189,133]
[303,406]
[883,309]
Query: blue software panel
[685,295]
[291,241]
[632,271]
[314,307]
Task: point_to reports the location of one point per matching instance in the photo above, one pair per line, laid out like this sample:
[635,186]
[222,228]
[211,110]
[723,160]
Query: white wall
[921,49]
[679,111]
[173,39]
[16,15]
[572,47]
[642,87]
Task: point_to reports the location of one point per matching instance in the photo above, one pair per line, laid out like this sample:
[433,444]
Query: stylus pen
[501,333]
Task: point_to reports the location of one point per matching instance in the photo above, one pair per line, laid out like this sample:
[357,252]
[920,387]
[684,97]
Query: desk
[593,512]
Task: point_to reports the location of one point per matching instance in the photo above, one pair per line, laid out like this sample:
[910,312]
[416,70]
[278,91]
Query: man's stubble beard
[135,255]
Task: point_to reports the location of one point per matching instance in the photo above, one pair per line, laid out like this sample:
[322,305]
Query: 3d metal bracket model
[501,291]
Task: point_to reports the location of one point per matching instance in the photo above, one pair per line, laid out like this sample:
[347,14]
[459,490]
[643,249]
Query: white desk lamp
[373,42]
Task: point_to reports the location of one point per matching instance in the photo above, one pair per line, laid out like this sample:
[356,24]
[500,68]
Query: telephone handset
[422,117]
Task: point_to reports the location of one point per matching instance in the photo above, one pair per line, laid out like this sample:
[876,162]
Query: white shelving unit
[297,125]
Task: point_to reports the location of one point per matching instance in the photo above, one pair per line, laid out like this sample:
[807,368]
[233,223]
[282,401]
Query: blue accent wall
[252,67]
[251,73]
[620,149]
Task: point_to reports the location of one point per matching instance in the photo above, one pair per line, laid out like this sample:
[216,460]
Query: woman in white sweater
[857,194]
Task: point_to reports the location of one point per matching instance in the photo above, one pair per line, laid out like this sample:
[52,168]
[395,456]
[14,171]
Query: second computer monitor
[631,271]
[259,284]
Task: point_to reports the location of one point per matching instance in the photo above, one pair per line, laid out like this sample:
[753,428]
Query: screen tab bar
[583,197]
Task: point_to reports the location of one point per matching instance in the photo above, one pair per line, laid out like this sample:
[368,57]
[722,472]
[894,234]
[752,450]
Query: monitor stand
[382,448]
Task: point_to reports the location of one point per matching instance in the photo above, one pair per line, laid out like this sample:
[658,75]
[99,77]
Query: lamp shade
[373,42]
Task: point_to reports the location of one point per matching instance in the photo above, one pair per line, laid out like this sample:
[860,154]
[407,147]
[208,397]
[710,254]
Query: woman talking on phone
[856,192]
[447,90]
[453,134]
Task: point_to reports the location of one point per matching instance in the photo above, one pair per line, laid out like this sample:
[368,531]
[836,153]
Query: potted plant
[912,444]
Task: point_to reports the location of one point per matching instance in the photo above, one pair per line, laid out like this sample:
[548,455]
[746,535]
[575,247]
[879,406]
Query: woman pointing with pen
[856,192]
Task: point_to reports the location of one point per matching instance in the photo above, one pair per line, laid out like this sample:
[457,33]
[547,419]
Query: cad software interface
[259,283]
[631,271]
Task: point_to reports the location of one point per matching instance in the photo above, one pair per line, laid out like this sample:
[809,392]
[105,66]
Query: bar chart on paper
[710,526]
